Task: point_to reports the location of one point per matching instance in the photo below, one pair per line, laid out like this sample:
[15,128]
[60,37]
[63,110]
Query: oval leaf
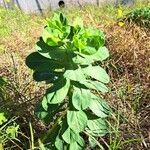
[38,62]
[58,92]
[66,136]
[97,73]
[77,120]
[75,75]
[101,54]
[75,146]
[81,98]
[95,85]
[97,127]
[97,107]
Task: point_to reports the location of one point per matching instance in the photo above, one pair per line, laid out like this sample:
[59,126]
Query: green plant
[8,129]
[116,140]
[140,16]
[65,59]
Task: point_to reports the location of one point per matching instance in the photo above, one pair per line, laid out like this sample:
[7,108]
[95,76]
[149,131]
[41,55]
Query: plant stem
[32,137]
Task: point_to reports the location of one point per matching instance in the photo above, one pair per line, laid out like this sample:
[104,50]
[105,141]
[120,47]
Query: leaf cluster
[8,129]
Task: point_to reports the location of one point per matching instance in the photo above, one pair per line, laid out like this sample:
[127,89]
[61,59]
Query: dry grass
[130,50]
[129,68]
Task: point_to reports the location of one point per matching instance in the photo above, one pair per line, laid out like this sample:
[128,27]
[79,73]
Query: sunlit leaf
[3,118]
[77,120]
[66,136]
[97,127]
[97,73]
[99,108]
[81,98]
[75,75]
[95,85]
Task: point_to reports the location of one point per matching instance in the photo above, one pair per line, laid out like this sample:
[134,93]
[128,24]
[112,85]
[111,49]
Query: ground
[128,67]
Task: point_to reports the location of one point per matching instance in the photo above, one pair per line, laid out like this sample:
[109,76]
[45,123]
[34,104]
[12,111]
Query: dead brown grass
[130,49]
[129,68]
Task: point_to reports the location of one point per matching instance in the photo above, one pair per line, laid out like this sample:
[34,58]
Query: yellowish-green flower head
[119,12]
[121,24]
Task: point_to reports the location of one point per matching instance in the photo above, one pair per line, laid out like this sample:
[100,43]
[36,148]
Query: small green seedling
[65,58]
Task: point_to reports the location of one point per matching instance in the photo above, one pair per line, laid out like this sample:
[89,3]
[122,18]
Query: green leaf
[3,119]
[79,43]
[58,92]
[88,50]
[45,76]
[66,136]
[75,146]
[51,37]
[38,62]
[95,85]
[93,32]
[81,60]
[99,107]
[12,131]
[45,103]
[71,33]
[81,98]
[77,120]
[75,75]
[47,115]
[76,137]
[92,142]
[100,55]
[80,141]
[63,19]
[59,143]
[95,38]
[70,136]
[58,22]
[97,73]
[45,69]
[97,127]
[51,52]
